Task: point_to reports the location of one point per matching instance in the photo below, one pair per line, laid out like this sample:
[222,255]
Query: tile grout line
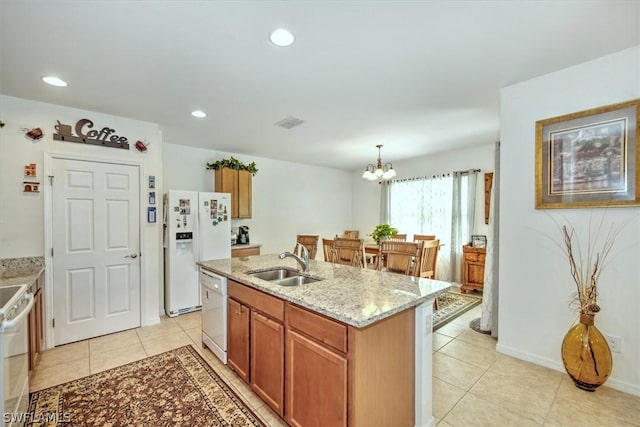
[555,397]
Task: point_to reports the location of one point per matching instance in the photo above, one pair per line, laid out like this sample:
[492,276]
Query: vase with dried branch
[585,352]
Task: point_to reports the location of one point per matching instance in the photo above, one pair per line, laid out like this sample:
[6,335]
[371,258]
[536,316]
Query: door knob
[131,256]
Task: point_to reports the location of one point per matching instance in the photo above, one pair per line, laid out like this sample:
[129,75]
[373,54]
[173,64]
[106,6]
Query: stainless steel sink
[283,277]
[295,281]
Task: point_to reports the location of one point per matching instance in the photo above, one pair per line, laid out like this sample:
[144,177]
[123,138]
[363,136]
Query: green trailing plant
[233,163]
[383,231]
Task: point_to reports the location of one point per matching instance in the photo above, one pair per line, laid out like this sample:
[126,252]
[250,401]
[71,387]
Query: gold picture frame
[589,158]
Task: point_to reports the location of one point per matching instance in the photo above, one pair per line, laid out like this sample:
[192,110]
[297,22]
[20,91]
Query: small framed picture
[152,181]
[478,241]
[152,198]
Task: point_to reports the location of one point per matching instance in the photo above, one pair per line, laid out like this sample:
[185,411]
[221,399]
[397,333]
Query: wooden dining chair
[310,242]
[398,237]
[327,249]
[351,234]
[399,257]
[429,258]
[348,251]
[422,237]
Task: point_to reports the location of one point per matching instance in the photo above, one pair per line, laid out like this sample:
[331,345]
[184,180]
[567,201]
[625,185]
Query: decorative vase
[586,354]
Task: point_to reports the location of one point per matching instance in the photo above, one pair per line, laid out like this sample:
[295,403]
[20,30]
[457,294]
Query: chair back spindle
[310,242]
[327,249]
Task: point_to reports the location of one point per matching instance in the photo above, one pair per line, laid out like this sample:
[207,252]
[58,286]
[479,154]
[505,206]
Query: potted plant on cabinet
[233,163]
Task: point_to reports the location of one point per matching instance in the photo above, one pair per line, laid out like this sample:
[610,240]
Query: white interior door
[96,245]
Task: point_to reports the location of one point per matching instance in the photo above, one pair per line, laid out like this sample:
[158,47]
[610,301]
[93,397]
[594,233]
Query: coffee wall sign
[86,135]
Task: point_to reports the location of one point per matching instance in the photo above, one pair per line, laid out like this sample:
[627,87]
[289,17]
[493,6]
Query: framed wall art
[478,241]
[589,158]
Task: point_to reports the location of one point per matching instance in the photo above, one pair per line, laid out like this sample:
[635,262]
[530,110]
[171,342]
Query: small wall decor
[141,146]
[488,182]
[34,134]
[152,181]
[152,197]
[106,136]
[151,214]
[30,187]
[589,158]
[30,170]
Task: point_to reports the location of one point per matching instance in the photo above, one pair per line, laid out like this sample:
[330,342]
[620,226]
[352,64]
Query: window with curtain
[440,205]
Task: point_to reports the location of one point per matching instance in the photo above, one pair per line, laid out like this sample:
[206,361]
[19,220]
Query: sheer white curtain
[439,205]
[464,210]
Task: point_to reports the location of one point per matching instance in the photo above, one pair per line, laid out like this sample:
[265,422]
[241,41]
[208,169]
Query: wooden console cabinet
[312,370]
[472,268]
[238,184]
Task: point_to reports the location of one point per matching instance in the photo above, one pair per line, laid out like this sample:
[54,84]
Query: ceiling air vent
[289,122]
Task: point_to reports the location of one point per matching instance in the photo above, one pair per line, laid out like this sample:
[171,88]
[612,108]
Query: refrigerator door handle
[196,232]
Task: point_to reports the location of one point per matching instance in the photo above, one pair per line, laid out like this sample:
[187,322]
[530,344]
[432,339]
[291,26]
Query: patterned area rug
[176,388]
[452,305]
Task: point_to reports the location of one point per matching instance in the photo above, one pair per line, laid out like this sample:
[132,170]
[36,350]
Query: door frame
[48,235]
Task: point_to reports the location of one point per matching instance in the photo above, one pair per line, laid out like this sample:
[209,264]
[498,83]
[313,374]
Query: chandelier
[379,172]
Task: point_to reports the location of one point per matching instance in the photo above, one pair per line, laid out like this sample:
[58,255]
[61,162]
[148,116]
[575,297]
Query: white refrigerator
[197,227]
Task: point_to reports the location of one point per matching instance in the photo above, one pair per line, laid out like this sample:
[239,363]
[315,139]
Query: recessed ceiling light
[199,114]
[54,81]
[282,37]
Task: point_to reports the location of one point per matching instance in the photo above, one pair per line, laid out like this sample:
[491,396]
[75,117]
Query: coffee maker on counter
[243,235]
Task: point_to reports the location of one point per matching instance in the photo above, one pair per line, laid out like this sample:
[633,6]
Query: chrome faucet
[303,261]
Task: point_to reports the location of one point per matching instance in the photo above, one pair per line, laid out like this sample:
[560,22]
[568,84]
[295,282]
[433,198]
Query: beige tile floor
[472,385]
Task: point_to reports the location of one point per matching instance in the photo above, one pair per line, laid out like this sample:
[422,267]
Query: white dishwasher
[214,312]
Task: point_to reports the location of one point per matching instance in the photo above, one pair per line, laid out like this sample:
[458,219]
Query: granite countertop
[20,271]
[356,296]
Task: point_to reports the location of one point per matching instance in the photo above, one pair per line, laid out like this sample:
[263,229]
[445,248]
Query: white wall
[288,198]
[535,282]
[366,194]
[22,214]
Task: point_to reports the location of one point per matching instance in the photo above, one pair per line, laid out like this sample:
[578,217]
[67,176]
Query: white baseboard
[150,321]
[431,423]
[613,383]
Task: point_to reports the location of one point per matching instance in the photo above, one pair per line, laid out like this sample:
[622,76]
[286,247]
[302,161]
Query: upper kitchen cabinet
[238,183]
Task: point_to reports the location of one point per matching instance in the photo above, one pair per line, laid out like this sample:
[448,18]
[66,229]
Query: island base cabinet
[316,385]
[267,360]
[238,338]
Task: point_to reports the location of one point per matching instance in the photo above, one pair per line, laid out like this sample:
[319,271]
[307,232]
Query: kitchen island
[351,349]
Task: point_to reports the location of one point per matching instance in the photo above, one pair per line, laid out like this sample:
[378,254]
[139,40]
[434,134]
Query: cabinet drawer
[474,257]
[319,327]
[260,301]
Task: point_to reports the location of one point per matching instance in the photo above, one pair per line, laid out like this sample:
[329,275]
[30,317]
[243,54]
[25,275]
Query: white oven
[16,303]
[214,313]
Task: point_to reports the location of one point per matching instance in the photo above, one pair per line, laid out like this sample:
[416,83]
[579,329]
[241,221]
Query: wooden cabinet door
[267,360]
[473,268]
[33,333]
[244,194]
[39,307]
[227,182]
[316,384]
[238,338]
